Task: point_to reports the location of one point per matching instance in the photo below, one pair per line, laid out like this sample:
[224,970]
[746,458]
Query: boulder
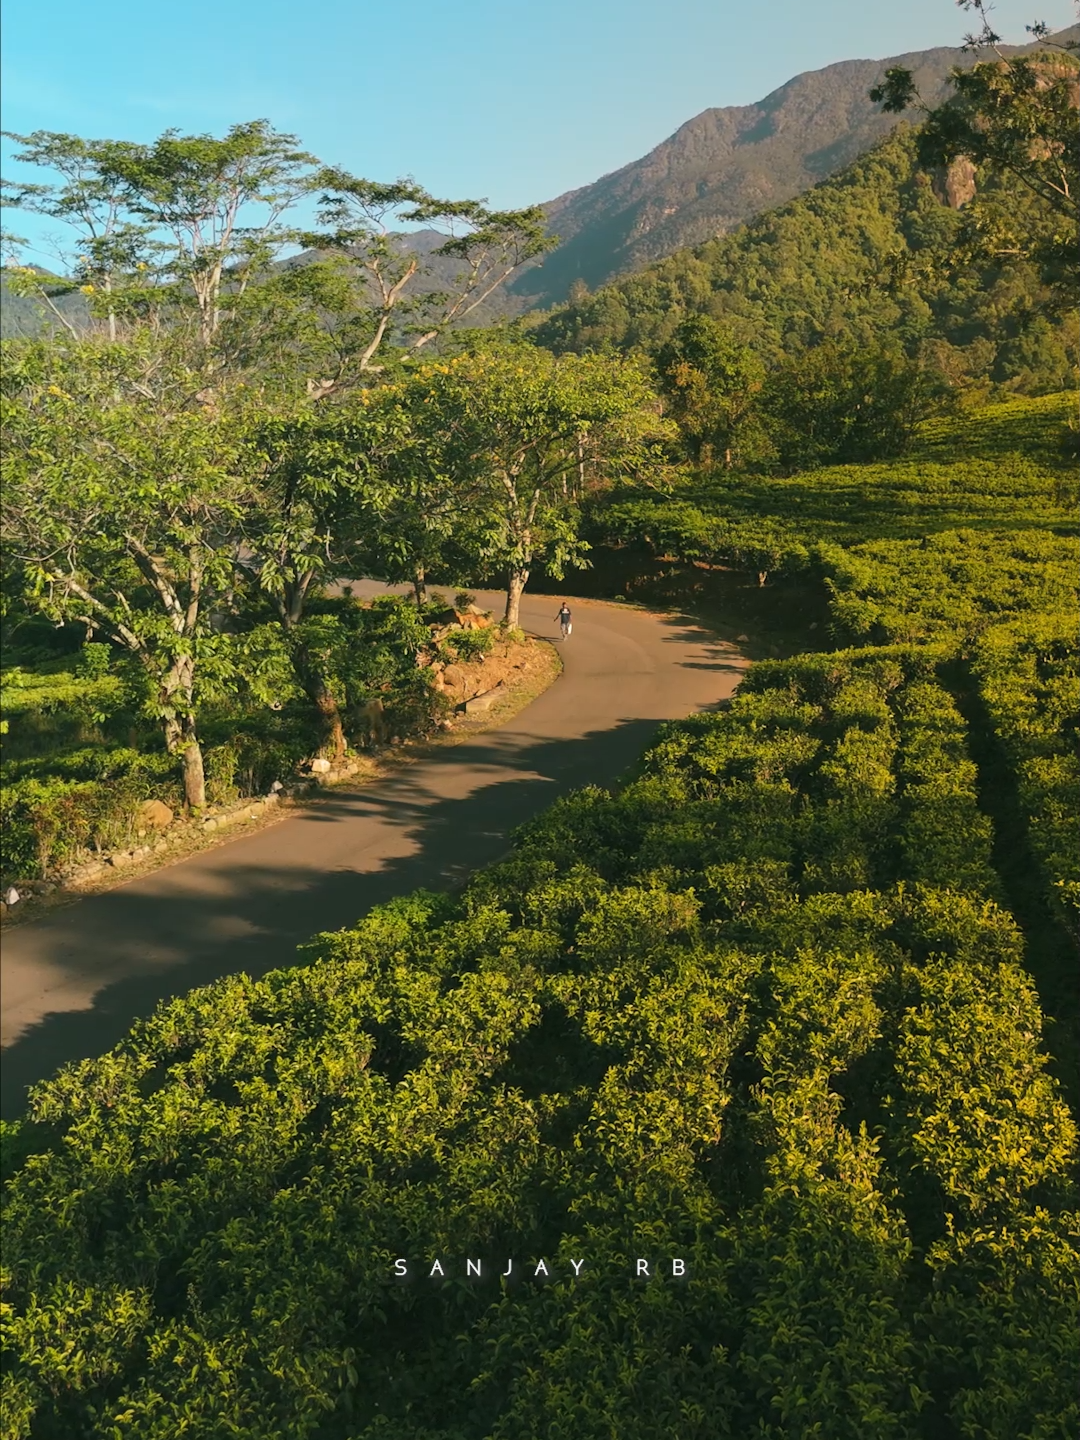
[155,815]
[120,859]
[320,765]
[484,700]
[11,896]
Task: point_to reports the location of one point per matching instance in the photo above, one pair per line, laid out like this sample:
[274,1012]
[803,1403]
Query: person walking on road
[565,619]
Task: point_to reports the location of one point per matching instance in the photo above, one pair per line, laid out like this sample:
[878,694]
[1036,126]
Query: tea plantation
[775,1008]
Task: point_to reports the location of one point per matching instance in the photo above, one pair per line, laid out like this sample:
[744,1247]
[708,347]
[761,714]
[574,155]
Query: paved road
[73,981]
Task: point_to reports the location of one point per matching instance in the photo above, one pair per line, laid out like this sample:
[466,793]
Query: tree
[431,512]
[221,202]
[836,404]
[112,247]
[211,213]
[1015,115]
[207,211]
[711,385]
[478,251]
[532,434]
[314,492]
[121,506]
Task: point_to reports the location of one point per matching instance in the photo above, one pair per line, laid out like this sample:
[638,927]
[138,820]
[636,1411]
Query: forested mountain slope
[867,255]
[722,168]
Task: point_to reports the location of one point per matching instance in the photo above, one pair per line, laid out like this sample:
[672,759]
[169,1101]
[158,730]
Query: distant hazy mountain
[722,168]
[19,315]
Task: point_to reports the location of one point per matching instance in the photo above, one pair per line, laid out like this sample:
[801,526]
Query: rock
[47,888]
[483,701]
[11,896]
[120,859]
[813,625]
[210,823]
[272,799]
[454,677]
[275,787]
[155,815]
[954,184]
[319,766]
[140,851]
[89,872]
[741,639]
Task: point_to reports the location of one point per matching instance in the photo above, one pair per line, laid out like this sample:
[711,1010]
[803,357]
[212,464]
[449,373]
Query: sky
[512,103]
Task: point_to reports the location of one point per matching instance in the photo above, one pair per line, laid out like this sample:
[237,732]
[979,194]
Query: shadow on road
[187,926]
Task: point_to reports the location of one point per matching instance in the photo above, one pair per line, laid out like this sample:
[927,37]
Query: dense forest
[874,255]
[787,1017]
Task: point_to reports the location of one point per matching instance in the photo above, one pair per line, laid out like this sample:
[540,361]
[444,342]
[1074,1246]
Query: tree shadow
[206,918]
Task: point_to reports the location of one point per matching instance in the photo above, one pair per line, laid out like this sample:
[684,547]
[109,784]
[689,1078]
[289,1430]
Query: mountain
[722,168]
[868,257]
[22,316]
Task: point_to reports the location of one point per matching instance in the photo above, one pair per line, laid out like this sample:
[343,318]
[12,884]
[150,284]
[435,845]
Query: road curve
[75,980]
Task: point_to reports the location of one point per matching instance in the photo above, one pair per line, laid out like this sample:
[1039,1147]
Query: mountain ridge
[725,166]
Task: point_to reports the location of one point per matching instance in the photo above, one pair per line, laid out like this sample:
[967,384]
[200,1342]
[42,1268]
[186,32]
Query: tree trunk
[321,696]
[420,585]
[762,576]
[194,775]
[181,739]
[515,586]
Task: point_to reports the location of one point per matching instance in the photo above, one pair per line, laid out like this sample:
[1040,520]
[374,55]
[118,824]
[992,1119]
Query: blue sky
[479,98]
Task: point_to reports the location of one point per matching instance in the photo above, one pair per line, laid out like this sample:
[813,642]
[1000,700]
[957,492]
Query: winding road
[72,983]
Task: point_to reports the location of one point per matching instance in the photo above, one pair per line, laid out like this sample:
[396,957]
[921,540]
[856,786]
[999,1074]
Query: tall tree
[836,403]
[473,248]
[1013,115]
[109,248]
[314,490]
[711,384]
[121,505]
[531,433]
[221,202]
[213,215]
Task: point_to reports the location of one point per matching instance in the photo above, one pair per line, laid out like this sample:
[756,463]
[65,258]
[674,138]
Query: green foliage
[837,403]
[48,823]
[625,1051]
[1012,116]
[869,257]
[68,788]
[760,1009]
[710,385]
[994,468]
[956,583]
[1028,673]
